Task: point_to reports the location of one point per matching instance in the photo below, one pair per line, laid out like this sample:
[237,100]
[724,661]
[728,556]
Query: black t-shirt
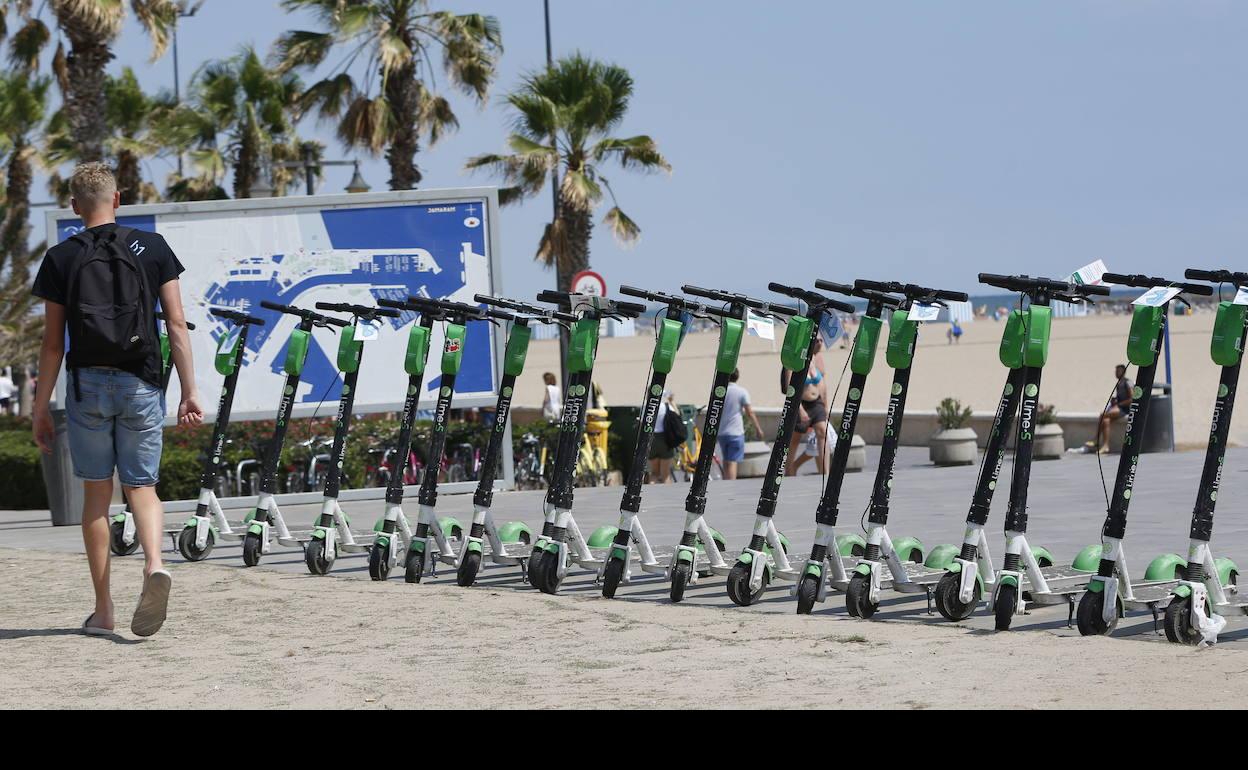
[1122,392]
[157,259]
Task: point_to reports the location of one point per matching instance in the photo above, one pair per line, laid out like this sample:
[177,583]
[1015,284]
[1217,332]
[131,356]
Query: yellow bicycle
[591,462]
[686,456]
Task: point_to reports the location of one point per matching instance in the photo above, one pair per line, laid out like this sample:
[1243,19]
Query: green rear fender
[851,545]
[450,526]
[603,536]
[515,532]
[1228,572]
[1043,557]
[1168,566]
[942,556]
[1089,559]
[909,549]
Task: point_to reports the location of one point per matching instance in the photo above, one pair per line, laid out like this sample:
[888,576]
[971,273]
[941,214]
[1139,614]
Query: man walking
[102,286]
[732,425]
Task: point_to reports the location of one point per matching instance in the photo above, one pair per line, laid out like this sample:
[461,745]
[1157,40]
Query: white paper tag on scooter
[1090,275]
[366,331]
[1241,296]
[924,312]
[760,326]
[229,340]
[1157,296]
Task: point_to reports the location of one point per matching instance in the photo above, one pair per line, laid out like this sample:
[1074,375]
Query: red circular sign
[589,282]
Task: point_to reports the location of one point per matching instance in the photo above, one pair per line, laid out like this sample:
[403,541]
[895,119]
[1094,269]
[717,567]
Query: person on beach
[1117,406]
[552,403]
[115,402]
[732,425]
[812,413]
[663,445]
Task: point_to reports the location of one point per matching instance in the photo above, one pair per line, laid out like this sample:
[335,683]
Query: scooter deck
[797,562]
[1064,582]
[1155,594]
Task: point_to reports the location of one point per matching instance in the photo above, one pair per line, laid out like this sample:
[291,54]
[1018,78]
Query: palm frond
[625,230]
[579,189]
[636,152]
[367,123]
[27,43]
[157,17]
[330,96]
[303,49]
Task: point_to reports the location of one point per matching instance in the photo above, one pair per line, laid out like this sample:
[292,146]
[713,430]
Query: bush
[951,415]
[1046,414]
[21,471]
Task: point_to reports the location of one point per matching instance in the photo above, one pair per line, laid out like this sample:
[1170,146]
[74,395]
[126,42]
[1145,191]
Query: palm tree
[564,117]
[91,27]
[23,104]
[239,114]
[393,109]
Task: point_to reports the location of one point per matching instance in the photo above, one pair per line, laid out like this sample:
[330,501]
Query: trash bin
[1159,431]
[64,488]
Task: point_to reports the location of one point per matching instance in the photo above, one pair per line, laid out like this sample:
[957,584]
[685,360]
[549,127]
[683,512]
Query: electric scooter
[267,515]
[862,594]
[123,536]
[198,536]
[1102,603]
[421,558]
[483,528]
[766,556]
[825,565]
[551,557]
[1198,602]
[961,587]
[333,529]
[669,330]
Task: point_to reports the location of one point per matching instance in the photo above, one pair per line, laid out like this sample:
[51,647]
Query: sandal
[149,616]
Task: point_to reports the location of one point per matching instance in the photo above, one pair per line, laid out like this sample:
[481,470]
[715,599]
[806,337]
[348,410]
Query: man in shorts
[1117,406]
[116,413]
[732,425]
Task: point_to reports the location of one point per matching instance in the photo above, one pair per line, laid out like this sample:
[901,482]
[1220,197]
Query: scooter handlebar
[362,311]
[871,295]
[912,291]
[306,315]
[236,317]
[810,297]
[1148,282]
[742,299]
[1217,276]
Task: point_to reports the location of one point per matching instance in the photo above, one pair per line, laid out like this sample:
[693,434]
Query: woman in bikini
[811,415]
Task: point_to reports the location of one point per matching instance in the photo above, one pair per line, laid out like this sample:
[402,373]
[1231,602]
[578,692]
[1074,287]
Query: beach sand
[1078,378]
[259,639]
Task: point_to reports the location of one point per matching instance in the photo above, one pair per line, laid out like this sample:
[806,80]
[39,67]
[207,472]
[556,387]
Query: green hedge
[21,473]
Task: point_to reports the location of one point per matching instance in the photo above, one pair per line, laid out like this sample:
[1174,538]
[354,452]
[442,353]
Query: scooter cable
[1099,465]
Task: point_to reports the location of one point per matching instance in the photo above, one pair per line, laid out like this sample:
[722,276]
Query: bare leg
[149,517]
[730,470]
[821,431]
[795,460]
[97,495]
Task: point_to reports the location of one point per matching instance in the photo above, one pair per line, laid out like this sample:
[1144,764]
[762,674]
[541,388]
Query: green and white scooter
[825,567]
[669,331]
[967,578]
[512,533]
[421,557]
[267,516]
[332,530]
[862,594]
[123,536]
[1103,602]
[1198,603]
[551,556]
[766,555]
[199,535]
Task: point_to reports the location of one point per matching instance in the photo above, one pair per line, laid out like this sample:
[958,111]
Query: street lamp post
[554,194]
[308,163]
[186,9]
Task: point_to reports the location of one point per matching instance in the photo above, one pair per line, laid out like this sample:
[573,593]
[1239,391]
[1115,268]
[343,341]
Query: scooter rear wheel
[1006,606]
[469,566]
[681,575]
[314,556]
[948,601]
[1178,622]
[739,586]
[414,566]
[117,544]
[807,593]
[252,550]
[378,563]
[611,577]
[188,549]
[858,597]
[1090,618]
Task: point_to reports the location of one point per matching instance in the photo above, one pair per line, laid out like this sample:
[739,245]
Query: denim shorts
[732,448]
[117,423]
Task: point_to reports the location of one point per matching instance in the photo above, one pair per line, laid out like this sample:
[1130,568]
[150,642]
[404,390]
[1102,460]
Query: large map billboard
[342,248]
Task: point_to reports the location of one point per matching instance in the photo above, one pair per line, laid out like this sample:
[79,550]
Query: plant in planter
[955,443]
[1050,441]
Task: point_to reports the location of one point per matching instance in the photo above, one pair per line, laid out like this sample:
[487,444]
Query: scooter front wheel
[116,541]
[253,549]
[948,598]
[1178,622]
[315,556]
[807,593]
[681,575]
[858,597]
[611,577]
[1090,617]
[536,557]
[190,551]
[378,563]
[414,566]
[548,580]
[739,586]
[1006,606]
[469,566]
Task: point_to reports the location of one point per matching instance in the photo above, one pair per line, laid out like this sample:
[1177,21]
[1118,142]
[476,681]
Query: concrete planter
[857,454]
[754,465]
[954,447]
[1050,442]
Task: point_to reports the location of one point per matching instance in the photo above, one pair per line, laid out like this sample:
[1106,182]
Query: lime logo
[720,392]
[897,388]
[1126,494]
[445,391]
[992,485]
[1213,496]
[1009,389]
[1137,392]
[779,479]
[1222,391]
[889,484]
[289,390]
[346,389]
[411,389]
[788,392]
[507,392]
[1032,390]
[577,390]
[855,393]
[340,465]
[216,459]
[657,390]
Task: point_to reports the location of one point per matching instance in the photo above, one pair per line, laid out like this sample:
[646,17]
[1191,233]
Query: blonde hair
[92,184]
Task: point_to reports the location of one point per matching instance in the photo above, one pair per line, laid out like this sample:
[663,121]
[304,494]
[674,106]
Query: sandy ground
[1078,378]
[304,642]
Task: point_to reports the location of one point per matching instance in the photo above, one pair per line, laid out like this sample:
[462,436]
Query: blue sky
[912,140]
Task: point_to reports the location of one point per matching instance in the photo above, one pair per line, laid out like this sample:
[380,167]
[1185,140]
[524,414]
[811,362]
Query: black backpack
[111,312]
[674,431]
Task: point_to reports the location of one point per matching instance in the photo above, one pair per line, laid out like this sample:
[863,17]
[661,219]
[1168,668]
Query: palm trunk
[129,178]
[246,166]
[404,98]
[21,383]
[16,227]
[579,227]
[89,54]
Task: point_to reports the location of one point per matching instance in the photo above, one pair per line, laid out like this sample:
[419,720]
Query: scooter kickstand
[928,591]
[1070,614]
